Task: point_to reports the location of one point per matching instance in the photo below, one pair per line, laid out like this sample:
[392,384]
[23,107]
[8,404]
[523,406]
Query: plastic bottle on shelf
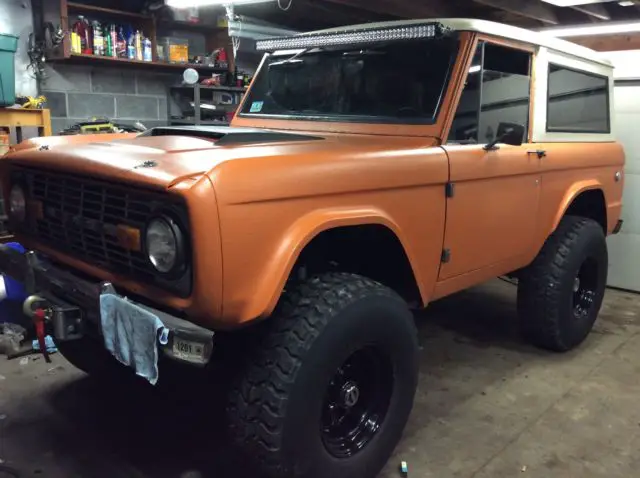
[147,51]
[121,44]
[98,39]
[108,44]
[138,44]
[114,40]
[76,43]
[131,45]
[83,28]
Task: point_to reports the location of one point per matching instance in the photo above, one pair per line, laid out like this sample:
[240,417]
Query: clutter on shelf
[110,40]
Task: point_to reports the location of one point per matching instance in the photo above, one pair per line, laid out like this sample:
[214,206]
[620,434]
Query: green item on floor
[8,47]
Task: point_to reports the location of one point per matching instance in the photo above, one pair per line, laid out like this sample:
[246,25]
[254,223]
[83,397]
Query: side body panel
[503,212]
[492,216]
[569,169]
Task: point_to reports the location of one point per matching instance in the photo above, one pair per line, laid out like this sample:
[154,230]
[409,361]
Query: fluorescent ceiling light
[210,3]
[574,3]
[475,69]
[591,29]
[627,3]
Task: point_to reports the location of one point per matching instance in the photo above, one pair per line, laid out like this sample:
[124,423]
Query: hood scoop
[227,136]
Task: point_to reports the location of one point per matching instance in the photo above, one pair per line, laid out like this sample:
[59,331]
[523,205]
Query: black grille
[80,216]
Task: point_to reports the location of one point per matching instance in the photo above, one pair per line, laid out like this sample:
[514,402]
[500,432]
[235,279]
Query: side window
[578,101]
[498,90]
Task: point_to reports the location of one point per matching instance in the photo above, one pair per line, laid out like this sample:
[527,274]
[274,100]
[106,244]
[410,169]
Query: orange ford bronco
[370,170]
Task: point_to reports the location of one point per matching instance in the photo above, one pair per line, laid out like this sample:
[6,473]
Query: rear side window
[578,101]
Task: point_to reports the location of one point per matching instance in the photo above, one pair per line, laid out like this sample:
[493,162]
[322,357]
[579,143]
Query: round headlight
[164,242]
[17,203]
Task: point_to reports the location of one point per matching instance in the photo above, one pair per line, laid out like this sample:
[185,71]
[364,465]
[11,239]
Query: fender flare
[301,233]
[571,194]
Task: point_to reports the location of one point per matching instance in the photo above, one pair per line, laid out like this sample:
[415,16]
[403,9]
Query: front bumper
[74,304]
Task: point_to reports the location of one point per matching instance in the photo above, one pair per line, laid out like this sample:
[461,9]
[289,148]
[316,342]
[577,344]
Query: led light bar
[353,37]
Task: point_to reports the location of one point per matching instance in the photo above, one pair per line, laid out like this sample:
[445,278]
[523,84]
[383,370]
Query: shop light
[574,3]
[610,28]
[210,3]
[352,37]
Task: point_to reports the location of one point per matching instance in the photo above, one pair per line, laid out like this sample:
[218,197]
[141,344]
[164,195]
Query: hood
[49,141]
[162,157]
[159,157]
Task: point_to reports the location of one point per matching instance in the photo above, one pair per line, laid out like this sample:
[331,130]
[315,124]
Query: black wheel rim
[356,402]
[585,289]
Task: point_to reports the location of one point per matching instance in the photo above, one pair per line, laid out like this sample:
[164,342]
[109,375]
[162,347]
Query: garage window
[578,102]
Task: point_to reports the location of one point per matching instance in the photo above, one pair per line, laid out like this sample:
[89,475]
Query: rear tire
[330,387]
[561,292]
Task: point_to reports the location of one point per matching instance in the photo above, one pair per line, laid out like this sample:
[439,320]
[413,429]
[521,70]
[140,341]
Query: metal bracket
[446,256]
[450,190]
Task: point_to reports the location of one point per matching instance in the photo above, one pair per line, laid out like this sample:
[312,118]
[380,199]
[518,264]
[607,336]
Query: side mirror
[508,133]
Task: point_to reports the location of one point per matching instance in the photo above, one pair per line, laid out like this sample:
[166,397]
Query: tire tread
[539,293]
[258,403]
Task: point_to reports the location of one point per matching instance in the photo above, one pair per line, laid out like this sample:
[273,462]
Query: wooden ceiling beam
[594,10]
[609,42]
[406,9]
[525,8]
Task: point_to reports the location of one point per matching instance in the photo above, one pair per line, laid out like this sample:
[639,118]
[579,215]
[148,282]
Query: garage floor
[488,406]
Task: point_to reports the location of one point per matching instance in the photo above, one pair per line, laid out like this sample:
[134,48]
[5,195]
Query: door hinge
[446,256]
[450,190]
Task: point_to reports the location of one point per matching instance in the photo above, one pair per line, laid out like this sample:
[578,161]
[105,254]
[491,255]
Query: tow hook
[36,308]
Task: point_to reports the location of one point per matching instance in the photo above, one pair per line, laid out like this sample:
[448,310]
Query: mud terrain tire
[329,389]
[561,292]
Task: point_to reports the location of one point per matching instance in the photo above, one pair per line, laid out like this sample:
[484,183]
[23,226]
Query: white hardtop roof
[495,29]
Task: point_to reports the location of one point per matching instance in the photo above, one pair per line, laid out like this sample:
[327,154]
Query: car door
[493,194]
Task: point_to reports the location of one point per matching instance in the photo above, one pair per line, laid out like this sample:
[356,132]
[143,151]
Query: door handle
[541,153]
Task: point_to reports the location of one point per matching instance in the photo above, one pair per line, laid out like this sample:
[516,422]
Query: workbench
[16,119]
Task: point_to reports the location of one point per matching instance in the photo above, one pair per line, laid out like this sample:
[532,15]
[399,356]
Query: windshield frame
[457,43]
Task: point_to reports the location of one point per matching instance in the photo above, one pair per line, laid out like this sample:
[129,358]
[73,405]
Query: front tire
[330,388]
[560,294]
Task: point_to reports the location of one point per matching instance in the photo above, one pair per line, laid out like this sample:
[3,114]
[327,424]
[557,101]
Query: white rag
[131,334]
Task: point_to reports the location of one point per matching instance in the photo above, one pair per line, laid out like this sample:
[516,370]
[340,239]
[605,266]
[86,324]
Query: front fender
[287,249]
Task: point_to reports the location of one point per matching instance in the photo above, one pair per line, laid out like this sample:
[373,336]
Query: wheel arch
[320,230]
[586,199]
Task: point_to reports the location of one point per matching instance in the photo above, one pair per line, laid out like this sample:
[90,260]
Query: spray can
[131,45]
[98,39]
[114,41]
[138,44]
[147,53]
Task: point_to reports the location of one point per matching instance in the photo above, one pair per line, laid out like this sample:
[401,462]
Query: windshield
[400,82]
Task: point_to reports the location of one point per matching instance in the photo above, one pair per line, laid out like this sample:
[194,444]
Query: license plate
[188,350]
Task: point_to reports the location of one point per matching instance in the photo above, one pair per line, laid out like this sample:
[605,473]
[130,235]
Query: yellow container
[4,142]
[178,53]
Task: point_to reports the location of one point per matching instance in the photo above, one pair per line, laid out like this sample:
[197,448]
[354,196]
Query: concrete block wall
[76,93]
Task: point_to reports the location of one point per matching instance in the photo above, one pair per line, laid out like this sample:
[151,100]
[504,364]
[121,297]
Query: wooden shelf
[189,27]
[78,58]
[233,89]
[192,122]
[81,7]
